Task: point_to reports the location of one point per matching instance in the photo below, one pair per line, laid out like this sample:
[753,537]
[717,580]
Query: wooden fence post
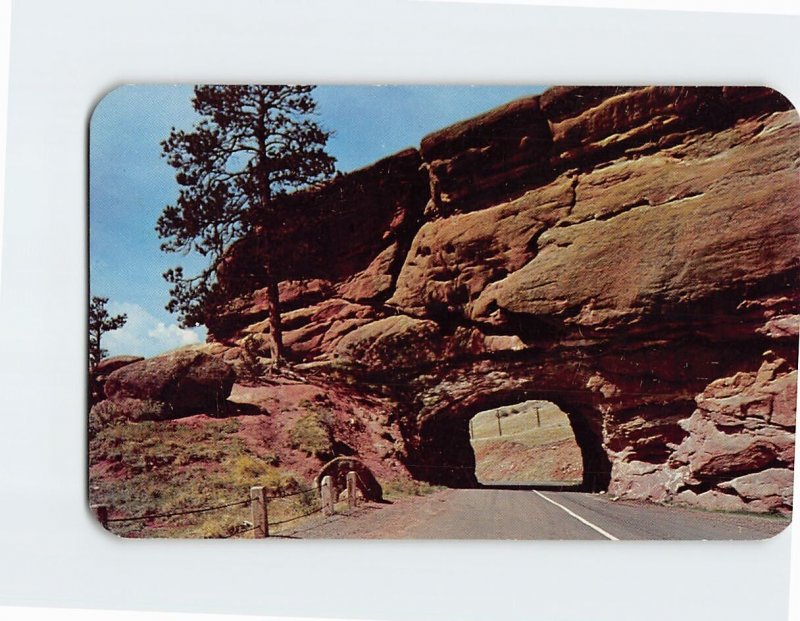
[327,496]
[101,513]
[351,490]
[538,421]
[258,507]
[499,428]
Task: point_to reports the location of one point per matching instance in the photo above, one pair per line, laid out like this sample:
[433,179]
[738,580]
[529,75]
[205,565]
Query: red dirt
[355,421]
[513,461]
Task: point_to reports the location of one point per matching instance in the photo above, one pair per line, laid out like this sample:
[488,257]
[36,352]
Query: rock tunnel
[628,254]
[526,445]
[448,457]
[683,419]
[441,452]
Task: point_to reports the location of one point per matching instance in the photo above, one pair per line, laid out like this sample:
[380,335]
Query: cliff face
[630,254]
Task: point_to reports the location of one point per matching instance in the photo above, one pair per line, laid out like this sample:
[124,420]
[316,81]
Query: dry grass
[408,487]
[519,423]
[163,467]
[312,434]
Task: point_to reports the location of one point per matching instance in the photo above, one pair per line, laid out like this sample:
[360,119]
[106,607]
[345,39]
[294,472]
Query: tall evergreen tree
[100,322]
[252,144]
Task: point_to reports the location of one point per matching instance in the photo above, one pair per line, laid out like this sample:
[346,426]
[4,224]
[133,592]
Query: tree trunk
[274,317]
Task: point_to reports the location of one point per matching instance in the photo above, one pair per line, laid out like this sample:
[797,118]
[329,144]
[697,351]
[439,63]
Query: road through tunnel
[513,440]
[528,443]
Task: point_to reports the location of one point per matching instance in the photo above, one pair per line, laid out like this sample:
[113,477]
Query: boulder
[114,411]
[374,282]
[108,365]
[770,488]
[714,500]
[98,375]
[735,428]
[187,381]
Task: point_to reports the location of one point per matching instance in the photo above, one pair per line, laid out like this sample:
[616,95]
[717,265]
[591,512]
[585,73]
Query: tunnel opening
[444,453]
[527,444]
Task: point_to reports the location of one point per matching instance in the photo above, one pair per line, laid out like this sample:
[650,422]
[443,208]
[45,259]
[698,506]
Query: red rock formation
[353,231]
[184,382]
[630,254]
[476,162]
[99,374]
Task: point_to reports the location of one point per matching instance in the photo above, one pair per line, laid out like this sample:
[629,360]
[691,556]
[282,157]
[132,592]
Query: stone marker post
[258,508]
[327,496]
[352,501]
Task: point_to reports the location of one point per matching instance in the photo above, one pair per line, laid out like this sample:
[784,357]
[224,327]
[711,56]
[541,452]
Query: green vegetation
[115,412]
[163,467]
[409,487]
[251,145]
[251,368]
[100,322]
[312,432]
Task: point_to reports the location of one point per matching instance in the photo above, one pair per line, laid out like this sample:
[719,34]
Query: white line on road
[578,517]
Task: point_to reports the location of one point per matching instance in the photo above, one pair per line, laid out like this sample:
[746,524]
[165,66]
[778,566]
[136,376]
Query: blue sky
[130,183]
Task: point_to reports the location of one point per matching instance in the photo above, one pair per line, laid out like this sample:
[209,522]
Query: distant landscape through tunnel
[513,438]
[528,443]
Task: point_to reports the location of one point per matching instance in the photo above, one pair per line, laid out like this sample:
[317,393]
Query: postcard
[443,312]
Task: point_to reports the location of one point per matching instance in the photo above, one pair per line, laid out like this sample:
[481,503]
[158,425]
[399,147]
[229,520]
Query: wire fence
[258,502]
[236,533]
[291,494]
[153,516]
[295,518]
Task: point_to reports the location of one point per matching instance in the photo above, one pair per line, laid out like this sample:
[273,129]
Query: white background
[64,56]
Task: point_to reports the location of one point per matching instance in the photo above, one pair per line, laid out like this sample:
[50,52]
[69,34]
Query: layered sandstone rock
[743,425]
[353,232]
[630,254]
[494,155]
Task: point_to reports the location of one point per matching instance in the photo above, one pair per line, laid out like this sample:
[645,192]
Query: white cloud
[173,332]
[144,334]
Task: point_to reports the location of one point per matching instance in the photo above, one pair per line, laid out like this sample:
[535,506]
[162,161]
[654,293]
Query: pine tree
[252,144]
[100,322]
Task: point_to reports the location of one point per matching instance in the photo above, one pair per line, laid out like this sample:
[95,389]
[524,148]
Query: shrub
[409,487]
[112,412]
[251,367]
[253,470]
[311,434]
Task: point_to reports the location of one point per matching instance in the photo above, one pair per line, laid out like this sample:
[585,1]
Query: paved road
[533,514]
